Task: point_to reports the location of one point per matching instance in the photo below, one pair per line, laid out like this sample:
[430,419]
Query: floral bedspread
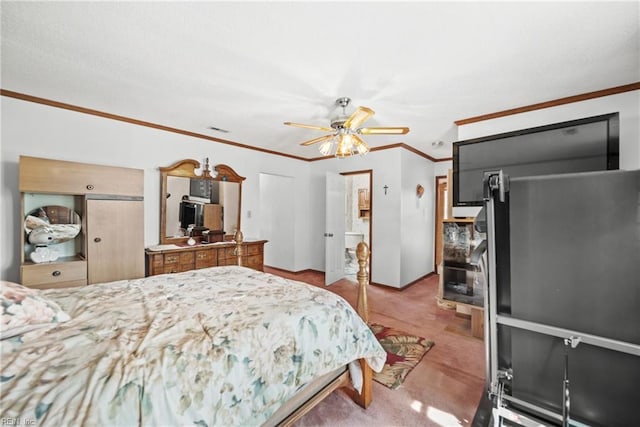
[220,346]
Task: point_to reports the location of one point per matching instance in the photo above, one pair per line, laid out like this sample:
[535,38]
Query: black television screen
[204,189]
[584,145]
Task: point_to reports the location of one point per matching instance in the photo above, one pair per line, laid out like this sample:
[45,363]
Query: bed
[217,346]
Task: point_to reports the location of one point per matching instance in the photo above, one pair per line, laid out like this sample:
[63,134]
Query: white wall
[37,130]
[441,168]
[418,218]
[402,229]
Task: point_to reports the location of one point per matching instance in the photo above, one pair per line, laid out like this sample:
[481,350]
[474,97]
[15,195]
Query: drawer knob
[97,240]
[56,273]
[90,187]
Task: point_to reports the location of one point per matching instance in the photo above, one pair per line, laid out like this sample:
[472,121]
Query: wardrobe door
[115,240]
[61,177]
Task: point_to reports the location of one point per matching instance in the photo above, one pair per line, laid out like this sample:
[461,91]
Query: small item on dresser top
[191,240]
[213,236]
[198,231]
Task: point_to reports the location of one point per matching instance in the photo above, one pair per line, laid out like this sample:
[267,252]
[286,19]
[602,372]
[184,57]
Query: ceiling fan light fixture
[345,147]
[326,147]
[344,134]
[360,146]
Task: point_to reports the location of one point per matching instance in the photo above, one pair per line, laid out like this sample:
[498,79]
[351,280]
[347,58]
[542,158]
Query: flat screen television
[583,145]
[205,189]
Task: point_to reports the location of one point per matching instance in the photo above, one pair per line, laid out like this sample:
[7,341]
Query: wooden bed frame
[315,393]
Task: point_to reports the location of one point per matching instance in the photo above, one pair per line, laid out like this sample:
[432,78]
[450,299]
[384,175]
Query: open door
[334,229]
[441,214]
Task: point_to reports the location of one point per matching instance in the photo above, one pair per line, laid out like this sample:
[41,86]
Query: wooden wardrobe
[110,203]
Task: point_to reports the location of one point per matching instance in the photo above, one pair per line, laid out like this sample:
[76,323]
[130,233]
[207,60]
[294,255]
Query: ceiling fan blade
[384,131]
[319,139]
[300,125]
[358,117]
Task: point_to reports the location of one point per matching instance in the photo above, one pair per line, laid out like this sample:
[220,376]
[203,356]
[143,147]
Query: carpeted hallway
[442,390]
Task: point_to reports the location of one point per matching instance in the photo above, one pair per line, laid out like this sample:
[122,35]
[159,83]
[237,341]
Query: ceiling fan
[345,131]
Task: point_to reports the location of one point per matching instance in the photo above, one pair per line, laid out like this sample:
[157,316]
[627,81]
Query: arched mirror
[193,205]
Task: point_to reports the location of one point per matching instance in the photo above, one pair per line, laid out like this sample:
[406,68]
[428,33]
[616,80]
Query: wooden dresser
[173,258]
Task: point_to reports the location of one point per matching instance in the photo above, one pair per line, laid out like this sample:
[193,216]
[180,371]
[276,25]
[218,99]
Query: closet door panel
[115,240]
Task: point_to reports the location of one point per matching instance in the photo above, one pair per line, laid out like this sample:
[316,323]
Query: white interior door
[277,220]
[334,229]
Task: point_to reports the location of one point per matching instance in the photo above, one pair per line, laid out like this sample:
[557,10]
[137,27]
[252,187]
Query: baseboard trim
[308,270]
[382,285]
[408,285]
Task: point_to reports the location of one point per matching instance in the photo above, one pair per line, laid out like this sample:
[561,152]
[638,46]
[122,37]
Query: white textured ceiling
[250,66]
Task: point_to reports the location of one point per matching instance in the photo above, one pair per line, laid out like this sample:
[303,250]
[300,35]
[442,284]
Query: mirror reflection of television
[589,144]
[205,189]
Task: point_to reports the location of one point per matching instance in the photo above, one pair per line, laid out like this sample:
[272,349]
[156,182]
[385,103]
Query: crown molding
[71,107]
[554,103]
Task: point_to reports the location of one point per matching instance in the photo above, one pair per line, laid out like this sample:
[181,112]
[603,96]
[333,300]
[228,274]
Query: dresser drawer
[228,261]
[157,261]
[177,268]
[231,253]
[177,262]
[54,275]
[171,263]
[186,258]
[252,250]
[206,258]
[255,262]
[171,259]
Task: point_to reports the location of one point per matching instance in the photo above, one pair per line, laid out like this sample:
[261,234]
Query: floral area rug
[404,352]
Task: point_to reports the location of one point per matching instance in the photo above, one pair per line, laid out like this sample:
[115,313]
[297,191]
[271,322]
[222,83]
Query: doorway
[349,210]
[357,218]
[442,213]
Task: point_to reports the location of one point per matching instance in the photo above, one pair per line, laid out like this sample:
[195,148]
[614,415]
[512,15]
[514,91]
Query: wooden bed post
[362,308]
[238,238]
